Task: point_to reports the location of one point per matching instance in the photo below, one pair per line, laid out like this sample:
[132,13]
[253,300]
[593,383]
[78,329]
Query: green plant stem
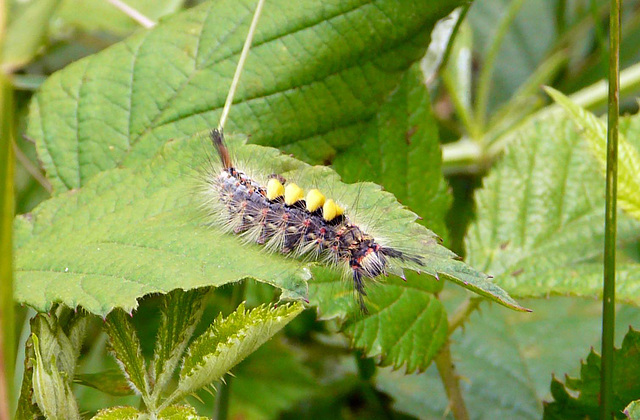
[451,383]
[484,80]
[462,313]
[7,339]
[463,159]
[561,21]
[608,301]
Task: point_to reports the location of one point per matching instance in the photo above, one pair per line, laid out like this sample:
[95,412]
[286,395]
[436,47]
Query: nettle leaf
[595,132]
[181,312]
[228,341]
[626,387]
[125,347]
[316,74]
[540,213]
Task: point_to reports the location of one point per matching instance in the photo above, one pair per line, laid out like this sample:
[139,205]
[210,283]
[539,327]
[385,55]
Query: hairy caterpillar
[280,216]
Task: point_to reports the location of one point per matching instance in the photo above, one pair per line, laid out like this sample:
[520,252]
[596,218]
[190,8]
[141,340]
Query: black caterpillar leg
[358,286]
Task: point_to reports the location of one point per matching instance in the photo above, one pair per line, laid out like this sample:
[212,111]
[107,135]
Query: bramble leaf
[539,217]
[181,312]
[595,132]
[313,79]
[230,340]
[125,347]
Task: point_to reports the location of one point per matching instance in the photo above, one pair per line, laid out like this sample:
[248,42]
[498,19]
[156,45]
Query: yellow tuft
[292,194]
[331,210]
[275,189]
[315,200]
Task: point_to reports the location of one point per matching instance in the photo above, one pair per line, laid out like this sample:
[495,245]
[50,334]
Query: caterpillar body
[281,217]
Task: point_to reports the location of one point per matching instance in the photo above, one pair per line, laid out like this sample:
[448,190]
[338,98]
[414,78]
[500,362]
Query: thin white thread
[133,13]
[243,57]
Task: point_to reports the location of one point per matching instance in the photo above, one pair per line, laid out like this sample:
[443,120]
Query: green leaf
[125,347]
[126,220]
[595,132]
[540,213]
[313,79]
[626,387]
[181,312]
[52,392]
[406,324]
[139,230]
[270,381]
[97,15]
[111,381]
[230,340]
[505,359]
[400,150]
[180,412]
[632,411]
[26,32]
[118,413]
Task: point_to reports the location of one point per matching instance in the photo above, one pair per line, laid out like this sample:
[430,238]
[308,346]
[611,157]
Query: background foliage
[339,84]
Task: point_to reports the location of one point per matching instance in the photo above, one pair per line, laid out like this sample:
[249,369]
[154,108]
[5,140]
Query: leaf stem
[608,301]
[451,383]
[7,327]
[462,313]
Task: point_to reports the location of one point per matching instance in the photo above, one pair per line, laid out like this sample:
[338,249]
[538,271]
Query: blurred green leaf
[269,381]
[228,341]
[316,75]
[505,359]
[595,132]
[26,33]
[525,44]
[540,213]
[100,15]
[110,381]
[586,404]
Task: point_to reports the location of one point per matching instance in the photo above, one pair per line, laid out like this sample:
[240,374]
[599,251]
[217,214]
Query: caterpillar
[282,218]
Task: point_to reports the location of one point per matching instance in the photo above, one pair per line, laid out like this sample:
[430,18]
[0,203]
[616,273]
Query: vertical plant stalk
[451,383]
[608,301]
[7,339]
[484,80]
